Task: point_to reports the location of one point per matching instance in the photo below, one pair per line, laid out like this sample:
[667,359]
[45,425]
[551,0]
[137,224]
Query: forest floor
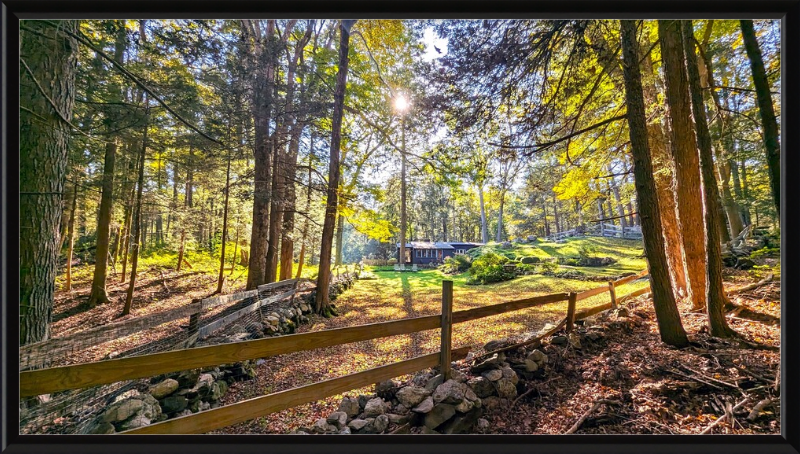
[574,382]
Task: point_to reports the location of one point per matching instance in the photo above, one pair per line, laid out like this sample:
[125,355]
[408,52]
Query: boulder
[482,425]
[464,406]
[350,407]
[434,382]
[559,340]
[173,404]
[461,423]
[531,366]
[481,386]
[425,406]
[357,424]
[338,419]
[449,392]
[381,423]
[458,376]
[509,374]
[538,356]
[188,378]
[506,388]
[398,419]
[493,375]
[204,384]
[438,415]
[387,389]
[411,396]
[164,388]
[493,362]
[374,407]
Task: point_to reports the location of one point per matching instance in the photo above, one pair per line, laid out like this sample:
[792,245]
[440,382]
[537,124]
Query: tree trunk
[687,161]
[715,292]
[737,190]
[51,58]
[559,226]
[484,226]
[669,321]
[339,239]
[98,293]
[301,259]
[544,215]
[665,184]
[499,235]
[221,277]
[618,199]
[275,212]
[768,121]
[322,303]
[71,234]
[137,214]
[264,73]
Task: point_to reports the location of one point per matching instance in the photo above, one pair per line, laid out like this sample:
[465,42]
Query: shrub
[456,264]
[548,267]
[530,260]
[489,268]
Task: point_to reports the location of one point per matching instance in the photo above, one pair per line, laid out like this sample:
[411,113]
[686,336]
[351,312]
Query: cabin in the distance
[427,252]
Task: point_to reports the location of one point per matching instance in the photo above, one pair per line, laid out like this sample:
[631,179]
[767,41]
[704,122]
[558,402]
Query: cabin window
[417,253]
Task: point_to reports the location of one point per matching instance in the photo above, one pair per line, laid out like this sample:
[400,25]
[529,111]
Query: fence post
[194,326]
[573,301]
[447,328]
[613,292]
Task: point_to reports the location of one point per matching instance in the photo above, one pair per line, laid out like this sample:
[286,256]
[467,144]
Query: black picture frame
[13,10]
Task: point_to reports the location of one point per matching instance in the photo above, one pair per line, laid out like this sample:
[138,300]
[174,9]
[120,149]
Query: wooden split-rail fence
[37,382]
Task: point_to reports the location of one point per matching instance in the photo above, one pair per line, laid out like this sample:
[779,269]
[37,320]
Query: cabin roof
[437,245]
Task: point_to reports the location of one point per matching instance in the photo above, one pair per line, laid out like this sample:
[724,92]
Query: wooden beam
[44,381]
[495,309]
[613,293]
[447,328]
[573,299]
[219,417]
[592,292]
[580,315]
[219,300]
[274,285]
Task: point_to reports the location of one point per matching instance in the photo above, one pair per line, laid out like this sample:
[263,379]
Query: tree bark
[669,321]
[221,277]
[484,226]
[137,214]
[71,234]
[263,79]
[301,259]
[665,183]
[768,120]
[715,292]
[339,239]
[687,161]
[322,303]
[499,235]
[51,58]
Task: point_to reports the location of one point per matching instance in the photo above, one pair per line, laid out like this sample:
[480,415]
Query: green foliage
[548,266]
[764,252]
[489,268]
[529,260]
[456,264]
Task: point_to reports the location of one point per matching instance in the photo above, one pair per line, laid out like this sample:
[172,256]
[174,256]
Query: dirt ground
[659,389]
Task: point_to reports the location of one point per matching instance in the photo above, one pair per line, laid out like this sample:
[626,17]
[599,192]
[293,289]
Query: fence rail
[55,379]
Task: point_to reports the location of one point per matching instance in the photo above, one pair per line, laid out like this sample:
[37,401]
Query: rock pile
[169,396]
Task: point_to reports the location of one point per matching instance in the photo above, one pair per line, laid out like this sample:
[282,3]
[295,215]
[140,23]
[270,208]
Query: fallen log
[594,407]
[752,286]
